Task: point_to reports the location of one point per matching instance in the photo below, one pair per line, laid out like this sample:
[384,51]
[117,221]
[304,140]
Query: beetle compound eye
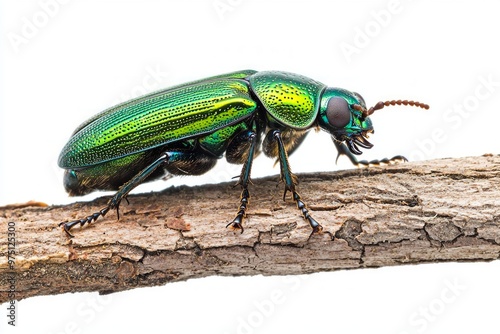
[337,112]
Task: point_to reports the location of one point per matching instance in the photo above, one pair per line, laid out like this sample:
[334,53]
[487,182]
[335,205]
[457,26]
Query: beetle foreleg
[242,139]
[343,150]
[291,180]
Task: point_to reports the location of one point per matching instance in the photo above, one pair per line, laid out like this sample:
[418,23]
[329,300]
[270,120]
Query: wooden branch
[441,210]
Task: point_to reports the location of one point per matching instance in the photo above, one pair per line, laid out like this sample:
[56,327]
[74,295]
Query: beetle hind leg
[177,162]
[122,192]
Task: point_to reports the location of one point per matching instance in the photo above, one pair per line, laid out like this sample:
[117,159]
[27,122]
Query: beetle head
[345,116]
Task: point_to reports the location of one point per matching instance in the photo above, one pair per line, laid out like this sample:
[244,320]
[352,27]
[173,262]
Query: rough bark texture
[441,210]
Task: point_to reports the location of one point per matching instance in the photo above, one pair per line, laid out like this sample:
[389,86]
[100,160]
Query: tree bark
[431,211]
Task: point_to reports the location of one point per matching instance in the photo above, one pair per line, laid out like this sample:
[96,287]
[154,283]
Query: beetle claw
[236,224]
[68,233]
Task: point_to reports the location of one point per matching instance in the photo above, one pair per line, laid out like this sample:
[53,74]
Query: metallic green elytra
[184,129]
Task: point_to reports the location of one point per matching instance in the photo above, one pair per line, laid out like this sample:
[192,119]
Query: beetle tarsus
[236,223]
[89,219]
[394,160]
[317,228]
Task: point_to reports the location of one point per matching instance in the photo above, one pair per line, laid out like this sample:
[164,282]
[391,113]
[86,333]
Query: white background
[64,61]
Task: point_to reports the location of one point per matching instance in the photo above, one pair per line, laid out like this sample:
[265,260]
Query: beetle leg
[245,179]
[291,180]
[176,161]
[344,150]
[114,202]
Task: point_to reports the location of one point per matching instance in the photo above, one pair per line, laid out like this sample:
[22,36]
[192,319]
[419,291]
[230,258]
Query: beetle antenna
[381,105]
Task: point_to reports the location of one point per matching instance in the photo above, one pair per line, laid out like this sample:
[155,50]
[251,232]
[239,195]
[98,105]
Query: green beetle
[183,130]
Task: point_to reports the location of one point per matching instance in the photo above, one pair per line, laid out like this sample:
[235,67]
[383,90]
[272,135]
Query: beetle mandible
[186,128]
